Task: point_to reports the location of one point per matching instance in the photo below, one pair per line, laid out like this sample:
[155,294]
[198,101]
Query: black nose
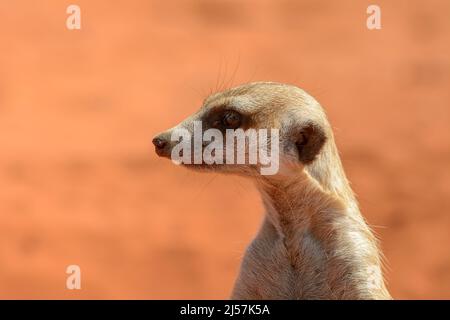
[159,143]
[162,146]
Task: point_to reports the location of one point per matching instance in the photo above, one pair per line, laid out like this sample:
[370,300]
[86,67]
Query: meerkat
[313,242]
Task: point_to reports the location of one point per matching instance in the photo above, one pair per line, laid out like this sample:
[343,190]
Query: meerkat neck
[294,200]
[328,171]
[314,222]
[316,203]
[325,178]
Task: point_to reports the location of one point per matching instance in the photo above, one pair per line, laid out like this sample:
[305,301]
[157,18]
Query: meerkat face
[254,129]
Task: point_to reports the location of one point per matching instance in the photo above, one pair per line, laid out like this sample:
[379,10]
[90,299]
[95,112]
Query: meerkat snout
[162,145]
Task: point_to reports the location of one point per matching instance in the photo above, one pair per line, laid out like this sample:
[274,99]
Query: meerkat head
[257,128]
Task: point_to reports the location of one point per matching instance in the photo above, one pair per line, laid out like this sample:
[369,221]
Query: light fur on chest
[310,246]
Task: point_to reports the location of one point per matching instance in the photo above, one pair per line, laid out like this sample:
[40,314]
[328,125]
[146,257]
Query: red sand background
[80,183]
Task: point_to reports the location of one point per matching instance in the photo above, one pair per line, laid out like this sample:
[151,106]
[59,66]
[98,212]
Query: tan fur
[314,242]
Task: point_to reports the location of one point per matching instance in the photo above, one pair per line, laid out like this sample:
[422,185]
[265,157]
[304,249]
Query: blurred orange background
[79,180]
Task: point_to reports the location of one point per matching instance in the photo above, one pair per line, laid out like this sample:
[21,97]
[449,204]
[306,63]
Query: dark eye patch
[223,118]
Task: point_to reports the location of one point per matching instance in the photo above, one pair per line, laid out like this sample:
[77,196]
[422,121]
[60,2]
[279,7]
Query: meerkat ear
[310,141]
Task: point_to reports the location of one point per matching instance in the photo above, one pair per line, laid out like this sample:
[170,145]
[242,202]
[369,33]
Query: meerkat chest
[281,268]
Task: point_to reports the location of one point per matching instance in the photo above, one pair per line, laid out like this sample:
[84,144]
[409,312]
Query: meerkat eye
[231,120]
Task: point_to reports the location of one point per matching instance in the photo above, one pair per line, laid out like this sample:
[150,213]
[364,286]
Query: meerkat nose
[160,145]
